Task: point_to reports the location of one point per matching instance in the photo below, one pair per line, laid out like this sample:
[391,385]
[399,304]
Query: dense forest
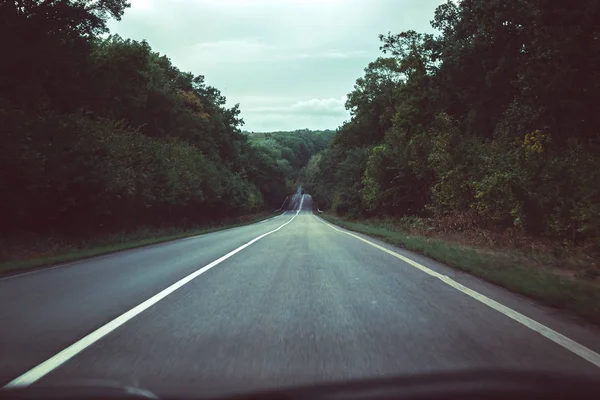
[495,118]
[292,150]
[279,157]
[100,133]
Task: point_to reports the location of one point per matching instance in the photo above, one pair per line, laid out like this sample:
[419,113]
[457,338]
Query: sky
[289,63]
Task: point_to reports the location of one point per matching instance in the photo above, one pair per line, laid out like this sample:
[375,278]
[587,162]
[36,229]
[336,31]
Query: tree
[45,48]
[102,134]
[496,116]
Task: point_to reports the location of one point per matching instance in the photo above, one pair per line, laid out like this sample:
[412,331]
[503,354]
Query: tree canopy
[103,133]
[497,116]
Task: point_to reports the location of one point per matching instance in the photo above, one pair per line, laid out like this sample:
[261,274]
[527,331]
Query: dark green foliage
[278,159]
[295,147]
[497,116]
[103,134]
[45,49]
[97,174]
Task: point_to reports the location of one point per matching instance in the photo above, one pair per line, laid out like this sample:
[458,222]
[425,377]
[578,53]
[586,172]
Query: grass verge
[512,271]
[57,251]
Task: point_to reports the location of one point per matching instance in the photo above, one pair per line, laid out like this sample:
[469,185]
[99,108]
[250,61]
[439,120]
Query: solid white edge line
[543,330]
[105,255]
[65,355]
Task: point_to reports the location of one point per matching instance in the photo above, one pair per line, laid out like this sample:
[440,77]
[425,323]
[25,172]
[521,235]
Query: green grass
[61,251]
[509,270]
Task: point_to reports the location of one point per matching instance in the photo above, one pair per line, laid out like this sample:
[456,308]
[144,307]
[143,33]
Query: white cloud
[217,51]
[284,61]
[290,54]
[252,45]
[142,4]
[332,107]
[312,114]
[278,122]
[322,106]
[256,50]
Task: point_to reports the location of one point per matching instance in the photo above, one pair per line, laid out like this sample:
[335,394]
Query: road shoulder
[21,266]
[574,326]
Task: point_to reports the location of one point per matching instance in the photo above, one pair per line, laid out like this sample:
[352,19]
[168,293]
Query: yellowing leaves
[192,101]
[534,142]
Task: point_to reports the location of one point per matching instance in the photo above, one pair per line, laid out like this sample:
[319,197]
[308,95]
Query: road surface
[304,303]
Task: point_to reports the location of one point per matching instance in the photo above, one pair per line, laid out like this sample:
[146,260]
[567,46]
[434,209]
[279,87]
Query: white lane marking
[266,220]
[35,271]
[543,330]
[283,204]
[105,255]
[301,202]
[65,355]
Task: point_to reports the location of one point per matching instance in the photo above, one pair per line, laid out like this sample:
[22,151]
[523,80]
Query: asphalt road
[306,303]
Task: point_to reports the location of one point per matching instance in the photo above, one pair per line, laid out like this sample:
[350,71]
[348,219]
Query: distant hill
[297,131]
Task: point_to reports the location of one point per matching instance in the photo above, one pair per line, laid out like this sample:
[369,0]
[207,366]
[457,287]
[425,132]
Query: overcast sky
[289,63]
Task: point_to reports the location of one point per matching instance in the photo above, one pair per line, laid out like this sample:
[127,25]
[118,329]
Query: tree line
[100,133]
[292,152]
[497,117]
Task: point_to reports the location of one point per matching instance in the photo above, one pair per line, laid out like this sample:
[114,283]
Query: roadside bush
[77,174]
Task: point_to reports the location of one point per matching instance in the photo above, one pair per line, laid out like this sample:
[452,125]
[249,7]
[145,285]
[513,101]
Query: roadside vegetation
[564,279]
[33,250]
[101,135]
[478,145]
[485,137]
